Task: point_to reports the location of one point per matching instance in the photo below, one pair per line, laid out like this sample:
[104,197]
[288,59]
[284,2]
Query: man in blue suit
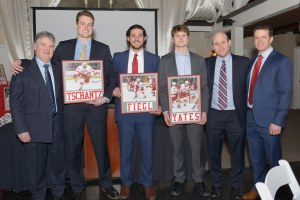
[270,86]
[143,123]
[36,100]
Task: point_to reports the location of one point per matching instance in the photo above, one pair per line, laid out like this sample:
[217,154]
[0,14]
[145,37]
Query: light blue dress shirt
[42,69]
[214,101]
[263,60]
[79,48]
[183,63]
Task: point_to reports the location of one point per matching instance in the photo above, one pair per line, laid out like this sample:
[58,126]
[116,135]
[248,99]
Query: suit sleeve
[163,93]
[16,99]
[204,86]
[285,91]
[109,73]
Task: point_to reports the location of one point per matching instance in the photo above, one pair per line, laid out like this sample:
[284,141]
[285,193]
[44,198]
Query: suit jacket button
[39,117]
[33,92]
[39,104]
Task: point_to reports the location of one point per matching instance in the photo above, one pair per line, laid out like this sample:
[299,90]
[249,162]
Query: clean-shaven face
[136,39]
[44,49]
[221,45]
[85,27]
[262,40]
[180,39]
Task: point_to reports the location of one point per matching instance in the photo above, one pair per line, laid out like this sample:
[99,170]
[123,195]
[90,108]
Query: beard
[137,48]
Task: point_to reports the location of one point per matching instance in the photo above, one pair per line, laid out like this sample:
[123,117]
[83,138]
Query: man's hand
[157,112]
[117,92]
[274,129]
[24,137]
[98,101]
[203,119]
[167,119]
[16,67]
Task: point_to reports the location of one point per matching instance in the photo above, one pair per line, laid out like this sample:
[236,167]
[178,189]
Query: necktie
[50,88]
[83,53]
[254,78]
[222,94]
[135,69]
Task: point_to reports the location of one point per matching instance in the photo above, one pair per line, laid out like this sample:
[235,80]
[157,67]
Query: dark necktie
[135,65]
[254,78]
[222,94]
[50,88]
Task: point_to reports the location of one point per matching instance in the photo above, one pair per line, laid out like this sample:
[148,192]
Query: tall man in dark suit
[183,62]
[135,60]
[94,113]
[270,90]
[227,78]
[36,100]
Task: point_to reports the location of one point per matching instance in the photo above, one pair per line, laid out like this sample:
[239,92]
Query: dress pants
[221,122]
[146,132]
[261,143]
[75,117]
[37,154]
[195,135]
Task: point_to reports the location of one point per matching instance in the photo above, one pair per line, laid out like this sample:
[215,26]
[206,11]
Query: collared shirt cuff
[108,100]
[165,112]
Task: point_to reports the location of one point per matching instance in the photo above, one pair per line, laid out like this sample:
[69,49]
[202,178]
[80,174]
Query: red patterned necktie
[222,94]
[135,65]
[254,78]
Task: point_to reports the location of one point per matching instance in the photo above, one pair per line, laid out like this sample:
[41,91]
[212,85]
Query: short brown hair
[264,27]
[179,28]
[85,13]
[136,26]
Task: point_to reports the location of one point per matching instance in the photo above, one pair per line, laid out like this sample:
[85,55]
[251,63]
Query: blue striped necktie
[222,94]
[50,88]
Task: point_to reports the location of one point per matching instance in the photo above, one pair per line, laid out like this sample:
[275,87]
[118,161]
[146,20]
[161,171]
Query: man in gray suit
[183,62]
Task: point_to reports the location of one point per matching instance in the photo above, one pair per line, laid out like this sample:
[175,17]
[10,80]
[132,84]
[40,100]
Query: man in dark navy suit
[143,123]
[270,91]
[36,100]
[94,113]
[227,78]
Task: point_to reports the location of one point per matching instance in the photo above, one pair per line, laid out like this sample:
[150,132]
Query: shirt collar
[41,63]
[227,59]
[88,43]
[266,53]
[139,53]
[178,54]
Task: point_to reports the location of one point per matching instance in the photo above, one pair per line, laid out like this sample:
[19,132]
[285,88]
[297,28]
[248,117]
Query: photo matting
[184,99]
[3,80]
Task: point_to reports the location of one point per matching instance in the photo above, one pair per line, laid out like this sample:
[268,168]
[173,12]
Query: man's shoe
[215,191]
[77,196]
[236,193]
[250,195]
[125,191]
[176,189]
[59,198]
[112,193]
[201,187]
[150,193]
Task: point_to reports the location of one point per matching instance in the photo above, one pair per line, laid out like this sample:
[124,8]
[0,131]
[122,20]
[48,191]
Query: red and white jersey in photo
[7,105]
[173,91]
[85,71]
[138,86]
[185,89]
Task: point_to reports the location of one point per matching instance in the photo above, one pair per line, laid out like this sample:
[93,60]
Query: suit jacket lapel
[212,68]
[267,62]
[173,66]
[36,72]
[126,57]
[56,71]
[193,64]
[71,51]
[235,74]
[250,68]
[146,61]
[93,53]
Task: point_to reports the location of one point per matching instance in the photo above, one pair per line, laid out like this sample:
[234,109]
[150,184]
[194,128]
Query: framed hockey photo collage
[184,99]
[3,80]
[6,98]
[139,92]
[82,80]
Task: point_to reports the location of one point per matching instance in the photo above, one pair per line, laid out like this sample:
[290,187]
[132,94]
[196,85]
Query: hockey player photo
[184,101]
[6,98]
[82,80]
[139,92]
[3,80]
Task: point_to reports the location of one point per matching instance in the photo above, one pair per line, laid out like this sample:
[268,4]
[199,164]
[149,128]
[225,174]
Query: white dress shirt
[140,59]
